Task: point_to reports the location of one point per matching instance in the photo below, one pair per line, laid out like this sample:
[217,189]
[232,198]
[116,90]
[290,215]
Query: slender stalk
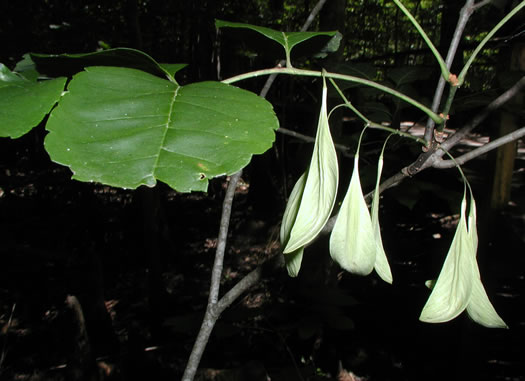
[444,68]
[312,73]
[371,124]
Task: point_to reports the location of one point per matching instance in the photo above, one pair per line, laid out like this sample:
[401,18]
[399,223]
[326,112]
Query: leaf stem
[312,73]
[371,124]
[444,69]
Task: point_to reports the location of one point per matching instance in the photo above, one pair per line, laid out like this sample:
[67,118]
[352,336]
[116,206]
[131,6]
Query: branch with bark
[432,157]
[216,306]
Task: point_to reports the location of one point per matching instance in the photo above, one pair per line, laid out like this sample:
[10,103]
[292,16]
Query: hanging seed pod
[453,288]
[352,242]
[320,189]
[459,286]
[356,242]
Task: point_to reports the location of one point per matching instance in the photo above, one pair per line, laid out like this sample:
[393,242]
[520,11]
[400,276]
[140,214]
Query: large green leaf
[124,127]
[287,39]
[24,103]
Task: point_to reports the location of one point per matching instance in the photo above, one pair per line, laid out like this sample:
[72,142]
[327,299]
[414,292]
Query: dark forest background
[139,260]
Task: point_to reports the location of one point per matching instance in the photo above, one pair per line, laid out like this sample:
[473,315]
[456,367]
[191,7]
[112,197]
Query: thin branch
[481,4]
[464,16]
[481,150]
[249,280]
[343,77]
[211,315]
[313,14]
[494,105]
[215,306]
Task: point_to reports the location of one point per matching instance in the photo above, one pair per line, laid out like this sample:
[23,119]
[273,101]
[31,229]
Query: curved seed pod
[453,288]
[381,264]
[292,260]
[352,242]
[320,190]
[459,285]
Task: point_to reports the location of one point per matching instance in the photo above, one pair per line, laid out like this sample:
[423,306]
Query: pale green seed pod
[459,286]
[453,288]
[318,197]
[352,242]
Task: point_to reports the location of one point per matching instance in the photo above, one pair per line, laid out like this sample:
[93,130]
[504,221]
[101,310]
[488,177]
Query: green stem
[461,77]
[312,73]
[444,70]
[447,106]
[373,124]
[287,51]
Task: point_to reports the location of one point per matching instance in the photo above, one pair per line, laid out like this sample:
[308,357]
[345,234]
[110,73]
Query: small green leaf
[286,39]
[24,103]
[352,242]
[453,288]
[320,189]
[381,265]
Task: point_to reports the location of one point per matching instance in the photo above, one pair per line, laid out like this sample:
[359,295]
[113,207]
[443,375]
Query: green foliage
[125,121]
[24,103]
[124,127]
[286,39]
